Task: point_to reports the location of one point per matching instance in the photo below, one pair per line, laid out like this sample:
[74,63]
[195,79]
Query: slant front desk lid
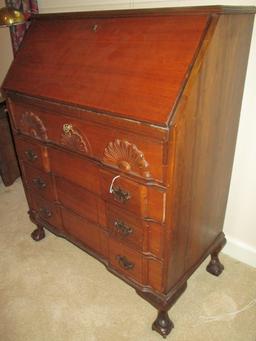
[132,66]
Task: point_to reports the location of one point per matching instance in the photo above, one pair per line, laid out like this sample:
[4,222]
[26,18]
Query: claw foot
[38,234]
[163,325]
[215,267]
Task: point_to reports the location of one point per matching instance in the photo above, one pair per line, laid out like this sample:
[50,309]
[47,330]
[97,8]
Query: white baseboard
[240,251]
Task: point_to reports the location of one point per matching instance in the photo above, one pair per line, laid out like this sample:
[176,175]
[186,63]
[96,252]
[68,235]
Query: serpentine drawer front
[99,141]
[119,139]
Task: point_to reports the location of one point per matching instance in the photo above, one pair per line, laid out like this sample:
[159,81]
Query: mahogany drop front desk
[125,125]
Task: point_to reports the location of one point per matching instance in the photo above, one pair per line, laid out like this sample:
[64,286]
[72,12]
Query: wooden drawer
[135,266]
[40,182]
[142,235]
[77,199]
[32,153]
[143,201]
[126,227]
[126,261]
[129,152]
[75,169]
[90,235]
[155,238]
[46,210]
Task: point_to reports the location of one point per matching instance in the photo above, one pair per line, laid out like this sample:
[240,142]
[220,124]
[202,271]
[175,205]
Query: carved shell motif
[32,125]
[127,157]
[73,139]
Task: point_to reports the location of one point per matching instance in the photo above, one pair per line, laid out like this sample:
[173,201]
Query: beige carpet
[53,291]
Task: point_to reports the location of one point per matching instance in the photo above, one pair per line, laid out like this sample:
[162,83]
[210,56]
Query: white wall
[6,54]
[240,221]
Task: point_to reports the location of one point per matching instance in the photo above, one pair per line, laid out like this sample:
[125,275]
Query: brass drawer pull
[31,155]
[67,128]
[95,28]
[125,263]
[39,183]
[120,195]
[45,212]
[122,228]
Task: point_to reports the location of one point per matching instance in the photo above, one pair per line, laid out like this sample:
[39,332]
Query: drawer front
[126,261]
[46,210]
[143,201]
[33,153]
[75,169]
[83,231]
[125,193]
[155,239]
[40,182]
[147,237]
[126,227]
[129,152]
[133,265]
[77,199]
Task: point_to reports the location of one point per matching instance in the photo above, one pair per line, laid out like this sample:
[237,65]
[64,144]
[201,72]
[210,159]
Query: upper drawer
[32,153]
[77,199]
[126,151]
[143,201]
[78,170]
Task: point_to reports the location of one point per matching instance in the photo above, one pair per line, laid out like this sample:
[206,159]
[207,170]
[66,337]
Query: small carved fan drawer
[144,201]
[32,153]
[38,181]
[46,211]
[126,261]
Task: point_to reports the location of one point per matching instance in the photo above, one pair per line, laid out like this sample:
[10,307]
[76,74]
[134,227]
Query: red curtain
[18,31]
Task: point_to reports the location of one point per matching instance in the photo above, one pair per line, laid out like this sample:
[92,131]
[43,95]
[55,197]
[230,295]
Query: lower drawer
[147,271]
[126,261]
[46,210]
[90,235]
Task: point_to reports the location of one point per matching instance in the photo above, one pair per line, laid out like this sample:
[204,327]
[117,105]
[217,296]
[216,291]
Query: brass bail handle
[118,193]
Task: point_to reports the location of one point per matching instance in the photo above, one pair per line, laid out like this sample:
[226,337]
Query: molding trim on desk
[240,251]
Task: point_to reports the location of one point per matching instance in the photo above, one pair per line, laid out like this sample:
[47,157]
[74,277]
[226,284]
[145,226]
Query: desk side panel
[206,124]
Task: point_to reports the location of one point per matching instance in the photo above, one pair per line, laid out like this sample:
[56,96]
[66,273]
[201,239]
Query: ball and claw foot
[215,267]
[38,234]
[163,325]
